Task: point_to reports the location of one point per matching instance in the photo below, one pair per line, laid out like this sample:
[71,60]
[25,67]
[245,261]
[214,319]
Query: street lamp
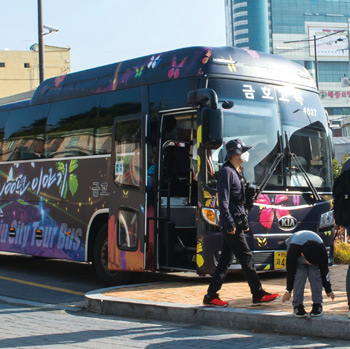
[41,41]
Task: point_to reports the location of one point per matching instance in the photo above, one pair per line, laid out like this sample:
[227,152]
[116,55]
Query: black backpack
[341,195]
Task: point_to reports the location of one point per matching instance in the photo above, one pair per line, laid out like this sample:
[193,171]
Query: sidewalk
[181,301]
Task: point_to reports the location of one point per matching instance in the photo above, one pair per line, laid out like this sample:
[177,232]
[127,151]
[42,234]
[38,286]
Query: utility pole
[316,62]
[349,47]
[41,44]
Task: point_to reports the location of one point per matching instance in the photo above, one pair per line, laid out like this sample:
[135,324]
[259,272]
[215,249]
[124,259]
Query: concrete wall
[15,78]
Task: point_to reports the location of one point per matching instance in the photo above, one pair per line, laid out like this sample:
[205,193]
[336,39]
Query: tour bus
[117,165]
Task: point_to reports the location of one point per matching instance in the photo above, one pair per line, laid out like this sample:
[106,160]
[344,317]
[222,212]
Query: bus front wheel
[108,277]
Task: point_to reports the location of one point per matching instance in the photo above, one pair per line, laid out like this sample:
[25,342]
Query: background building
[19,70]
[293,29]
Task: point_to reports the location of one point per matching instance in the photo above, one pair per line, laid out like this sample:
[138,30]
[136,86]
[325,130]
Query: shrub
[341,253]
[338,166]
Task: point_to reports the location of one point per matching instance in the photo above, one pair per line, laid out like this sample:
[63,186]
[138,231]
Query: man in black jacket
[234,222]
[341,195]
[307,258]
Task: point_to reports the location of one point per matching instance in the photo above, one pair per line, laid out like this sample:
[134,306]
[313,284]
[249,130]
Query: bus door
[127,212]
[177,191]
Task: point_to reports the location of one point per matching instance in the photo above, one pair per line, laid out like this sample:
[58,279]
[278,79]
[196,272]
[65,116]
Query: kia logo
[287,222]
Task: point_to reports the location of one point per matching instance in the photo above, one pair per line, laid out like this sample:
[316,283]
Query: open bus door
[177,203]
[127,210]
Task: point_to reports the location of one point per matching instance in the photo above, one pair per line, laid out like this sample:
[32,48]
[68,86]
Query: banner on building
[330,41]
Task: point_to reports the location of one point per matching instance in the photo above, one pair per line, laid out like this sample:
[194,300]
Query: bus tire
[100,261]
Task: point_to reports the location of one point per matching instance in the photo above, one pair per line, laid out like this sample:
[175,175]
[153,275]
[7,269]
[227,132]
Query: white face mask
[245,157]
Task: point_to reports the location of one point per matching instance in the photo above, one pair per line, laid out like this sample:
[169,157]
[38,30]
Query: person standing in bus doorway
[233,223]
[341,200]
[307,258]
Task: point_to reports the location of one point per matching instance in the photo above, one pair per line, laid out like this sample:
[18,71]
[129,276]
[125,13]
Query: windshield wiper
[270,172]
[294,157]
[272,169]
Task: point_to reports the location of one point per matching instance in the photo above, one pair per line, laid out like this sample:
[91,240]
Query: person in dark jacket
[307,258]
[341,195]
[233,224]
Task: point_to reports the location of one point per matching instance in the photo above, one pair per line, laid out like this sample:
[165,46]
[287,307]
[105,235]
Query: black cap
[235,146]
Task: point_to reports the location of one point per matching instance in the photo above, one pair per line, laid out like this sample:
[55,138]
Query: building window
[2,64]
[26,65]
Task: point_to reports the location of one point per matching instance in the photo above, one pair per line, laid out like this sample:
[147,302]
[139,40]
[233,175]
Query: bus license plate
[280,260]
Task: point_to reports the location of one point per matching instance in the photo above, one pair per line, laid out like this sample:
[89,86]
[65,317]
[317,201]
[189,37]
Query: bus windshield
[275,120]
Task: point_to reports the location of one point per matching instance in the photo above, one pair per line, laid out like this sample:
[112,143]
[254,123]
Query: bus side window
[70,127]
[116,103]
[128,153]
[24,133]
[3,118]
[127,229]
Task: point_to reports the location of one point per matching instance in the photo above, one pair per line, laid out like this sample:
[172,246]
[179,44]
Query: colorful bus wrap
[117,165]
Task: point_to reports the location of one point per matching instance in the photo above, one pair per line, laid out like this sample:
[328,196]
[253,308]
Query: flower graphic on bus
[174,72]
[267,214]
[72,181]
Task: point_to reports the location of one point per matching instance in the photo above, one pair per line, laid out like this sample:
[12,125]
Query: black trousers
[235,244]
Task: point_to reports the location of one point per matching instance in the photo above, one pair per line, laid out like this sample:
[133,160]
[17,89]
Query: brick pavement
[190,291]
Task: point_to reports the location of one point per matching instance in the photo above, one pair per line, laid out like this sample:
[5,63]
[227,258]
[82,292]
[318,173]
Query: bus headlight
[211,215]
[326,220]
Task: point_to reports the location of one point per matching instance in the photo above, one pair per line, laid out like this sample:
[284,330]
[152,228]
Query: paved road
[45,280]
[41,305]
[54,327]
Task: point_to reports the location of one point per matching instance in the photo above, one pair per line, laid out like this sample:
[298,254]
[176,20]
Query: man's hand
[331,295]
[231,229]
[286,296]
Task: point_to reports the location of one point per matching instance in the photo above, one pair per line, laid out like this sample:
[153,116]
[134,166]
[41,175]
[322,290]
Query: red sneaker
[265,297]
[214,301]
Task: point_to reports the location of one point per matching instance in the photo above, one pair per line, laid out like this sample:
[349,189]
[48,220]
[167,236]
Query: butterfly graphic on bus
[267,214]
[174,72]
[139,71]
[211,200]
[153,62]
[206,57]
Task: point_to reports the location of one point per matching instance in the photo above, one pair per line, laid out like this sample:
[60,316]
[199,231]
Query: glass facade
[289,16]
[250,24]
[296,29]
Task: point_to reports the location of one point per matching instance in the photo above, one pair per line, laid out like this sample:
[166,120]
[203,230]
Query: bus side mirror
[206,97]
[212,128]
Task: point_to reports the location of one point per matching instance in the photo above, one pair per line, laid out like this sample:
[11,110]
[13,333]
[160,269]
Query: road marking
[59,289]
[75,306]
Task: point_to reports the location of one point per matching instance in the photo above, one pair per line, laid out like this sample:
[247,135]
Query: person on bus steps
[307,258]
[233,223]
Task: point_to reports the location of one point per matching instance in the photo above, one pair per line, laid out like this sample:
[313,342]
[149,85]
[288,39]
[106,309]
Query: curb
[260,320]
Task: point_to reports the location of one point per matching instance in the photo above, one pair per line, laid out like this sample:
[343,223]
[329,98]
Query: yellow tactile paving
[236,291]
